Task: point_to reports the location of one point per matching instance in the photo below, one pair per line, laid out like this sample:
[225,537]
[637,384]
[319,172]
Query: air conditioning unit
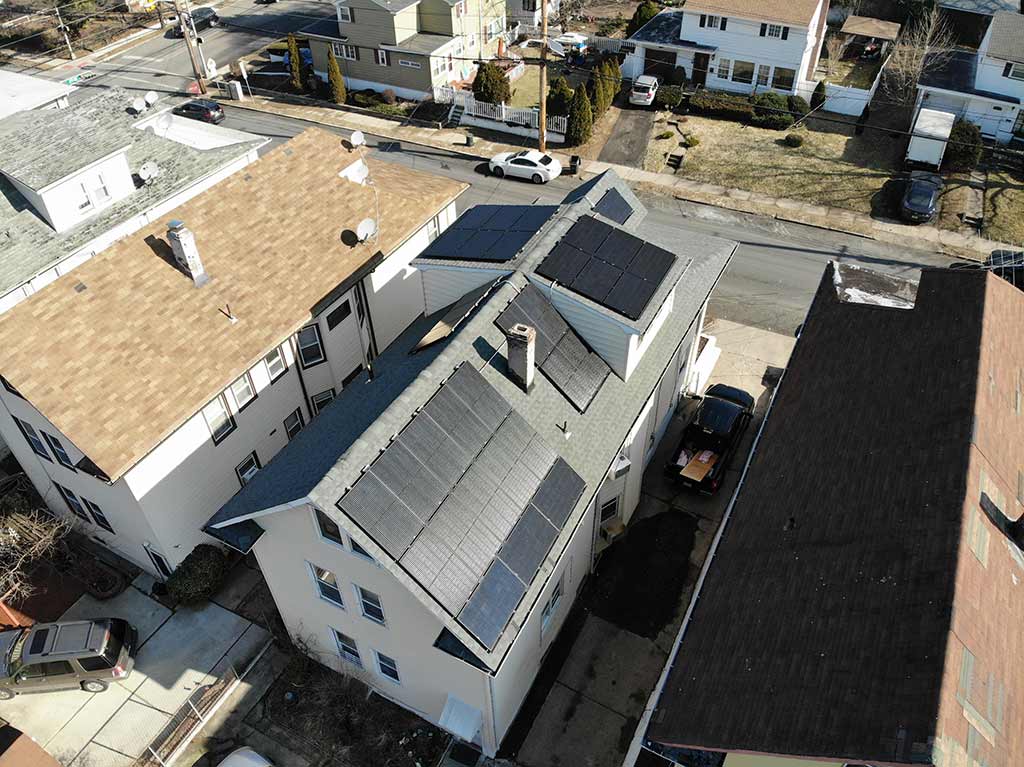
[612,530]
[621,467]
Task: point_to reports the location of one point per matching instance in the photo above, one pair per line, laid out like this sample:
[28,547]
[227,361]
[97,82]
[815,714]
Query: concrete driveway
[180,651]
[627,144]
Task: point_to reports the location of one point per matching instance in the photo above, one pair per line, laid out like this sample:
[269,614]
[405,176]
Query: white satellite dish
[164,122]
[151,98]
[138,105]
[366,229]
[149,171]
[556,47]
[357,138]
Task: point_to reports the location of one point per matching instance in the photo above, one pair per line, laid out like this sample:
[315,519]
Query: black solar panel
[528,544]
[613,206]
[492,604]
[610,267]
[490,233]
[558,493]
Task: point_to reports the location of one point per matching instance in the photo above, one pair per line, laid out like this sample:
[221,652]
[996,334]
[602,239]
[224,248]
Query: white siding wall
[990,78]
[60,202]
[443,286]
[427,674]
[639,344]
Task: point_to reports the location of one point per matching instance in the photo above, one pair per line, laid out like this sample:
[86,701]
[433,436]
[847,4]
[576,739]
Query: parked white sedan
[529,163]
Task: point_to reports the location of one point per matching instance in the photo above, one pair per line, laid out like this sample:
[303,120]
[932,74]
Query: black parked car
[201,109]
[921,197]
[202,18]
[702,455]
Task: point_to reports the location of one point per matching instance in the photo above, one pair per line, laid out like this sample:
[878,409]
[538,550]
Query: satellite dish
[357,138]
[149,171]
[151,98]
[138,105]
[366,229]
[556,47]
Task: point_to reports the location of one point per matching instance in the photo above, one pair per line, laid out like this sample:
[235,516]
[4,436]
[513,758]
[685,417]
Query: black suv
[203,110]
[202,18]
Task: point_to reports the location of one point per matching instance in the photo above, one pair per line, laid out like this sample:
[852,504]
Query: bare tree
[836,46]
[27,535]
[925,45]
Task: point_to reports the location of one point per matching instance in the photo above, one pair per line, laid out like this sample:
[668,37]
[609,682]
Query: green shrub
[294,63]
[689,141]
[771,110]
[668,96]
[608,27]
[644,12]
[664,135]
[819,95]
[723,105]
[559,96]
[580,123]
[366,99]
[389,109]
[963,150]
[491,84]
[798,105]
[794,140]
[199,575]
[677,76]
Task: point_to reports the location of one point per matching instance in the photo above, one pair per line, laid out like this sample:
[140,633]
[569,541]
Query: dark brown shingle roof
[834,616]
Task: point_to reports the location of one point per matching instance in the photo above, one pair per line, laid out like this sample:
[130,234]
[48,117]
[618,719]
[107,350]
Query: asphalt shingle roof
[1007,40]
[835,613]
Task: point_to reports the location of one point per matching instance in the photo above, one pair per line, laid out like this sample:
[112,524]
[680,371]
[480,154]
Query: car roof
[718,415]
[204,103]
[204,10]
[646,80]
[530,154]
[69,639]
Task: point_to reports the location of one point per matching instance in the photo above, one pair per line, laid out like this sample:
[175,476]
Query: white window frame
[361,595]
[347,648]
[753,72]
[712,22]
[359,551]
[551,606]
[345,51]
[319,582]
[397,678]
[100,192]
[409,64]
[344,14]
[766,71]
[85,204]
[774,30]
[319,346]
[340,543]
[245,477]
[242,404]
[614,503]
[433,229]
[301,422]
[98,516]
[775,71]
[220,401]
[319,401]
[31,436]
[382,57]
[721,64]
[59,452]
[274,357]
[1016,71]
[72,501]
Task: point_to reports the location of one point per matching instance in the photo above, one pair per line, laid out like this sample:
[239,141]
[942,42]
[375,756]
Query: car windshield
[641,89]
[545,160]
[717,416]
[921,194]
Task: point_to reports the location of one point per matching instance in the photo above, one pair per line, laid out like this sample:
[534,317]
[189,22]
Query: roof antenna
[564,428]
[226,311]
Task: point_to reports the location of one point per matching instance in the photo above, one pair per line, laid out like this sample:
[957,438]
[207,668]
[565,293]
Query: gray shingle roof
[1007,40]
[982,7]
[363,420]
[422,42]
[29,245]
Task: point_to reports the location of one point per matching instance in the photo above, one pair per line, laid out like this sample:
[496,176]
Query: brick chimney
[522,350]
[183,243]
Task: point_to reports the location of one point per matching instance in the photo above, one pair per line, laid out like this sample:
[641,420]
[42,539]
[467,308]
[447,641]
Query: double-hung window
[388,667]
[243,392]
[551,606]
[774,30]
[763,75]
[722,69]
[247,469]
[433,229]
[84,203]
[783,78]
[311,348]
[219,418]
[743,72]
[98,516]
[347,648]
[383,58]
[1013,70]
[58,450]
[327,585]
[100,193]
[32,437]
[344,14]
[610,509]
[73,504]
[319,401]
[293,423]
[371,605]
[346,51]
[276,366]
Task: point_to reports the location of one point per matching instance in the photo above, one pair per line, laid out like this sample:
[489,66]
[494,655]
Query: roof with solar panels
[466,487]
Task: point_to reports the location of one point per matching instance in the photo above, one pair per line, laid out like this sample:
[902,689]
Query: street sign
[211,68]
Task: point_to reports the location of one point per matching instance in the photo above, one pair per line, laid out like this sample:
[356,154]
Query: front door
[701,62]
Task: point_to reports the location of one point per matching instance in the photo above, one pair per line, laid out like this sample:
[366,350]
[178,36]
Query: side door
[49,675]
[522,168]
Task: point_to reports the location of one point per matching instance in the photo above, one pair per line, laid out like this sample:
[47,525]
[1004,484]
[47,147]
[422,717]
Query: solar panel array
[607,265]
[613,206]
[494,233]
[575,371]
[469,499]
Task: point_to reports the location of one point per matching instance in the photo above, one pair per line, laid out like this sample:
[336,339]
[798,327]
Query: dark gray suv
[86,655]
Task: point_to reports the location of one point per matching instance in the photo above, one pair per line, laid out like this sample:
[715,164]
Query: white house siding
[638,344]
[427,674]
[60,201]
[443,285]
[186,477]
[996,119]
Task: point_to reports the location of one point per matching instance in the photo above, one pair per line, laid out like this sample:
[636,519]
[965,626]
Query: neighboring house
[408,46]
[984,87]
[864,603]
[71,180]
[982,7]
[20,93]
[432,529]
[528,12]
[143,390]
[733,45]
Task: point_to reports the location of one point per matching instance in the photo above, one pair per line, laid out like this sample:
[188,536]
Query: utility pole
[542,124]
[64,31]
[186,33]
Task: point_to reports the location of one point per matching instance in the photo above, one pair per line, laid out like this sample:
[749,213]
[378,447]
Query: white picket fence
[499,113]
[611,44]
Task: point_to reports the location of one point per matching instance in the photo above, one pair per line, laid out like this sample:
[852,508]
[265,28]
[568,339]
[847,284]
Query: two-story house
[146,388]
[431,530]
[985,87]
[528,12]
[408,46]
[20,93]
[733,45]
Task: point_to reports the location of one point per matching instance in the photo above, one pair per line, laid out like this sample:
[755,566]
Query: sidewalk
[834,219]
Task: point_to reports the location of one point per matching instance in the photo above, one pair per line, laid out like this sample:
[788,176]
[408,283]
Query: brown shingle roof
[834,616]
[797,12]
[119,365]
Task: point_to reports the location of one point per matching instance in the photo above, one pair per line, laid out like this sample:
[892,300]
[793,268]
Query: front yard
[833,167]
[526,89]
[1004,206]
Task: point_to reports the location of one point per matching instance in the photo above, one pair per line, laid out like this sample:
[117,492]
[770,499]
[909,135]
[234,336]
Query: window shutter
[352,14]
[387,57]
[785,33]
[722,25]
[1007,68]
[356,49]
[764,30]
[703,19]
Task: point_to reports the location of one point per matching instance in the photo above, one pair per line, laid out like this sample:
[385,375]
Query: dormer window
[100,193]
[84,203]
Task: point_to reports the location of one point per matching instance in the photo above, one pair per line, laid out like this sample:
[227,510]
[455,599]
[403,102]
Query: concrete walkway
[834,219]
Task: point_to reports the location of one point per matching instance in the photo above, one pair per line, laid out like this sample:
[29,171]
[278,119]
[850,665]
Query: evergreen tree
[491,85]
[644,12]
[818,97]
[334,79]
[580,123]
[294,63]
[611,84]
[559,97]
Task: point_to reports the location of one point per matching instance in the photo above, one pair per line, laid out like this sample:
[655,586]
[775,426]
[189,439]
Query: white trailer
[929,137]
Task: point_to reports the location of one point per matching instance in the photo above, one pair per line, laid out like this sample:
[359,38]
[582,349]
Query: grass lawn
[526,90]
[833,167]
[851,73]
[1004,207]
